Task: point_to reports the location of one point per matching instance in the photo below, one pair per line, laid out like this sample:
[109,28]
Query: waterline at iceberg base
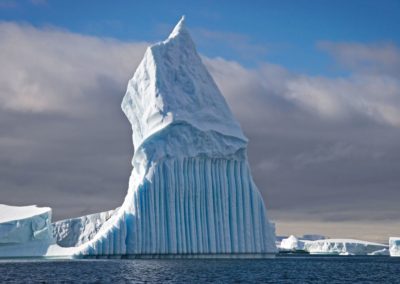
[191,194]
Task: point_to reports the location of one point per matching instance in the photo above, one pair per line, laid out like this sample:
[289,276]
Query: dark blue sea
[282,269]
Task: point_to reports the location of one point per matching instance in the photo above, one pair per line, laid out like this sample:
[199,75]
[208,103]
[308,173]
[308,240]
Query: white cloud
[44,70]
[372,95]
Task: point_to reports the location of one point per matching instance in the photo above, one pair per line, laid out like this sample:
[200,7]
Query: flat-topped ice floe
[394,246]
[345,247]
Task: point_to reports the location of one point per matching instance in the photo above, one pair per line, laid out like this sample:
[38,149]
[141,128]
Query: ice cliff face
[27,231]
[24,224]
[77,231]
[190,191]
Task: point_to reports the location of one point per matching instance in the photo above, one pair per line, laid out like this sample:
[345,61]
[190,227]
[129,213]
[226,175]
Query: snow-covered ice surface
[190,193]
[77,231]
[394,246]
[344,247]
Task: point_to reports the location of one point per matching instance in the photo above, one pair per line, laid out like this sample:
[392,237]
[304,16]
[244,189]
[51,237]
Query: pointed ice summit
[191,190]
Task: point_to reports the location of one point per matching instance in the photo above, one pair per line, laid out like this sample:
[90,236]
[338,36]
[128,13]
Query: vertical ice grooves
[191,205]
[199,205]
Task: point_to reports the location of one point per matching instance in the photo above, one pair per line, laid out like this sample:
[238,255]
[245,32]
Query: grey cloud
[322,150]
[64,140]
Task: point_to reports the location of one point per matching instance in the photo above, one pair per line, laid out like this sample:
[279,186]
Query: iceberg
[22,224]
[394,246]
[292,244]
[27,231]
[191,190]
[344,247]
[190,193]
[296,244]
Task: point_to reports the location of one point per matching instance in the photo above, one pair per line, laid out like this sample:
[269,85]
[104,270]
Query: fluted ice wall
[192,206]
[199,205]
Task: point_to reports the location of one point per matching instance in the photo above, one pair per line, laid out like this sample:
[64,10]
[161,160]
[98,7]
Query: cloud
[55,71]
[381,58]
[321,149]
[63,137]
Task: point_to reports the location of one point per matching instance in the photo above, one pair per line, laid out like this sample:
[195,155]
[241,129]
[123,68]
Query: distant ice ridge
[394,246]
[191,190]
[345,247]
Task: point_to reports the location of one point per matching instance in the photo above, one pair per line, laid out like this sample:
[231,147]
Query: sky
[314,84]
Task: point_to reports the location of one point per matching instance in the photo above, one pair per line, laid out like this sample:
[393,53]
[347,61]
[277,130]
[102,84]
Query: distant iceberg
[292,244]
[297,244]
[345,247]
[319,245]
[191,192]
[394,246]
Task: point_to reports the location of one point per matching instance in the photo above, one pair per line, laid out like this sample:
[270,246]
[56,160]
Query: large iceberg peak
[171,87]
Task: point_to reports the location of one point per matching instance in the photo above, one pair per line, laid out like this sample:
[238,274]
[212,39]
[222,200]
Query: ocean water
[282,269]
